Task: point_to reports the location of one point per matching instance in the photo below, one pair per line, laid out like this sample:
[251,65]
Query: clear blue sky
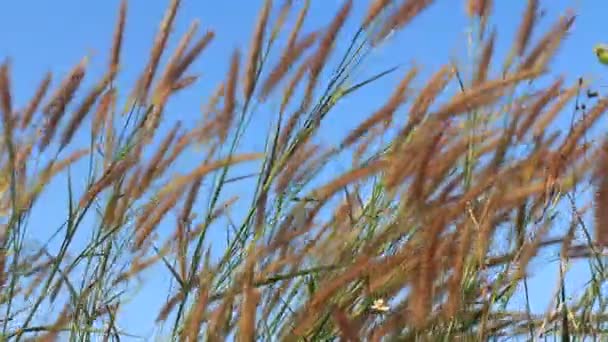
[54,35]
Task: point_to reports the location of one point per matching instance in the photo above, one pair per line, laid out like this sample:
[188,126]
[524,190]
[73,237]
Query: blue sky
[41,36]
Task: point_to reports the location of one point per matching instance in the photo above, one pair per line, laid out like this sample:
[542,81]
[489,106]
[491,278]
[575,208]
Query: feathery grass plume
[160,41]
[53,168]
[124,200]
[361,173]
[539,127]
[364,146]
[347,330]
[374,10]
[318,60]
[205,168]
[61,98]
[183,83]
[84,109]
[289,58]
[109,137]
[484,62]
[299,159]
[295,32]
[426,97]
[227,116]
[409,10]
[535,108]
[101,113]
[484,94]
[169,305]
[326,290]
[525,29]
[459,259]
[250,300]
[21,162]
[178,54]
[514,197]
[385,113]
[212,103]
[529,250]
[288,94]
[399,169]
[179,67]
[108,215]
[278,25]
[251,69]
[150,220]
[221,210]
[196,315]
[184,141]
[5,95]
[601,198]
[548,44]
[430,149]
[118,38]
[139,264]
[167,85]
[427,270]
[6,103]
[220,319]
[151,171]
[430,92]
[402,168]
[111,174]
[184,223]
[479,8]
[581,128]
[28,113]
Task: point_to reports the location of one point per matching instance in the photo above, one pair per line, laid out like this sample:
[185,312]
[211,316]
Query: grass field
[448,189]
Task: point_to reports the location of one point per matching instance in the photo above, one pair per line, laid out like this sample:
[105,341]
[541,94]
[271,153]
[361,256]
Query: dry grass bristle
[251,68]
[145,81]
[525,29]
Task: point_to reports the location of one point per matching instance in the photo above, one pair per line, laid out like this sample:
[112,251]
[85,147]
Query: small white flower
[379,305]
